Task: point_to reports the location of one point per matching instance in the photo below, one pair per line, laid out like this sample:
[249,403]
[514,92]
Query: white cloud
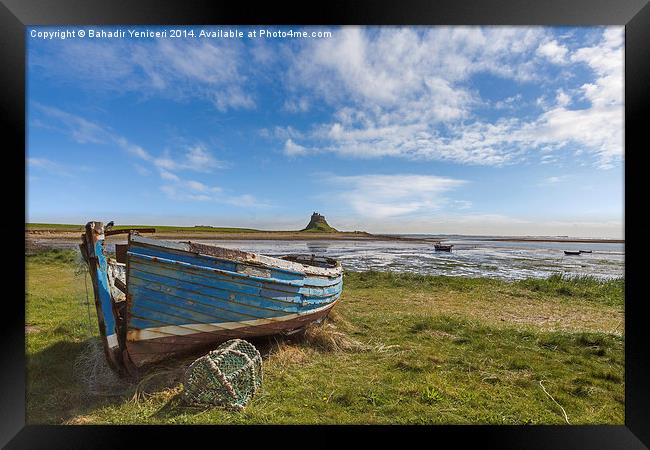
[293,149]
[298,105]
[80,129]
[562,98]
[194,158]
[196,191]
[49,166]
[552,180]
[212,70]
[403,92]
[166,175]
[555,52]
[389,66]
[378,196]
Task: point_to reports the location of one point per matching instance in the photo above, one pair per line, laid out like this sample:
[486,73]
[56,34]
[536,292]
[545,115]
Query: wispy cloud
[214,71]
[379,196]
[196,191]
[142,170]
[50,167]
[553,180]
[78,128]
[194,158]
[389,99]
[293,149]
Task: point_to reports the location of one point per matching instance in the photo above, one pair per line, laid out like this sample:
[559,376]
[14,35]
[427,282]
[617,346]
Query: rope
[83,268]
[90,320]
[551,397]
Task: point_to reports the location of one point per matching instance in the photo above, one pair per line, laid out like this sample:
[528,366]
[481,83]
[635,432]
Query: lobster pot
[227,376]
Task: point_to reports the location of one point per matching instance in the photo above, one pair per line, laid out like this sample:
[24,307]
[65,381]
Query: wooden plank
[128,230]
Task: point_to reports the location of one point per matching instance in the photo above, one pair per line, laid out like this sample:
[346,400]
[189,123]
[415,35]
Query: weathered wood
[125,231]
[120,252]
[92,249]
[120,285]
[181,296]
[185,296]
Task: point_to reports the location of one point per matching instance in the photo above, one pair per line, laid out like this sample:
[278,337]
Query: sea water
[470,257]
[474,258]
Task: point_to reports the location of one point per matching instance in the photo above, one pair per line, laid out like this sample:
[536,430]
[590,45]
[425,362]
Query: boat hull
[148,346]
[170,298]
[179,301]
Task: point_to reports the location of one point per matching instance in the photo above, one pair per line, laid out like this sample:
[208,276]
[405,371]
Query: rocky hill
[318,223]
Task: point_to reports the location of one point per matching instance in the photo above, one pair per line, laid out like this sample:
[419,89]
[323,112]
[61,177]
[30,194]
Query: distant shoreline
[53,235]
[60,233]
[574,240]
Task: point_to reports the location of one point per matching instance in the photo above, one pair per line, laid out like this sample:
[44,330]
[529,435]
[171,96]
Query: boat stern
[92,250]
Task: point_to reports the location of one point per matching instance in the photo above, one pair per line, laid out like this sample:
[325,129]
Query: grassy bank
[398,349]
[70,231]
[160,228]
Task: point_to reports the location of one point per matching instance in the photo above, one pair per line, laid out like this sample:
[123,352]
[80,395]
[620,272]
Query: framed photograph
[362,214]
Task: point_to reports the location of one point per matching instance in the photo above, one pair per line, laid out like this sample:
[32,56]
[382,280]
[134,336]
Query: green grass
[320,228]
[159,228]
[53,226]
[585,287]
[439,350]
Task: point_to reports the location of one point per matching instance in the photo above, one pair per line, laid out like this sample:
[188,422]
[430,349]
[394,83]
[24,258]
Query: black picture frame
[16,15]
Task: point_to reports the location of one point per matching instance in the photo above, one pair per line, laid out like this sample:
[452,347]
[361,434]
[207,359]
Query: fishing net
[94,373]
[227,376]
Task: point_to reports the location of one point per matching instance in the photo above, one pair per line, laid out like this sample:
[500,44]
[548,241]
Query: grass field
[398,349]
[159,228]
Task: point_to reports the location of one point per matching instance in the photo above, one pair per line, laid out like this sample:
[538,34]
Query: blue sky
[471,130]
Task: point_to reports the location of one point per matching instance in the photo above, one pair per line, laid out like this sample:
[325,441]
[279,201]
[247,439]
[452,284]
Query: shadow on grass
[58,393]
[54,394]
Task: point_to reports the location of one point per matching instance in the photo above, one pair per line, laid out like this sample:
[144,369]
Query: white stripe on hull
[193,328]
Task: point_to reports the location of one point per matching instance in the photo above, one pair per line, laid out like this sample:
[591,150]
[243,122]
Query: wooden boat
[585,251]
[443,247]
[571,252]
[158,299]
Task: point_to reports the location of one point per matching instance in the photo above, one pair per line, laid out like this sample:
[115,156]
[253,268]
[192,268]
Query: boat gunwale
[151,261]
[240,256]
[294,283]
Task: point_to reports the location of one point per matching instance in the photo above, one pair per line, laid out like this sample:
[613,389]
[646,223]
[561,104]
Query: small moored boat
[443,247]
[571,252]
[159,299]
[585,251]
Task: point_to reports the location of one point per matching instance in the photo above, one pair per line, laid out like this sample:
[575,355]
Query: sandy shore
[56,235]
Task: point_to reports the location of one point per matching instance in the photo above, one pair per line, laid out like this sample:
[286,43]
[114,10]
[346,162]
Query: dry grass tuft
[79,420]
[30,329]
[327,337]
[157,381]
[440,334]
[284,354]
